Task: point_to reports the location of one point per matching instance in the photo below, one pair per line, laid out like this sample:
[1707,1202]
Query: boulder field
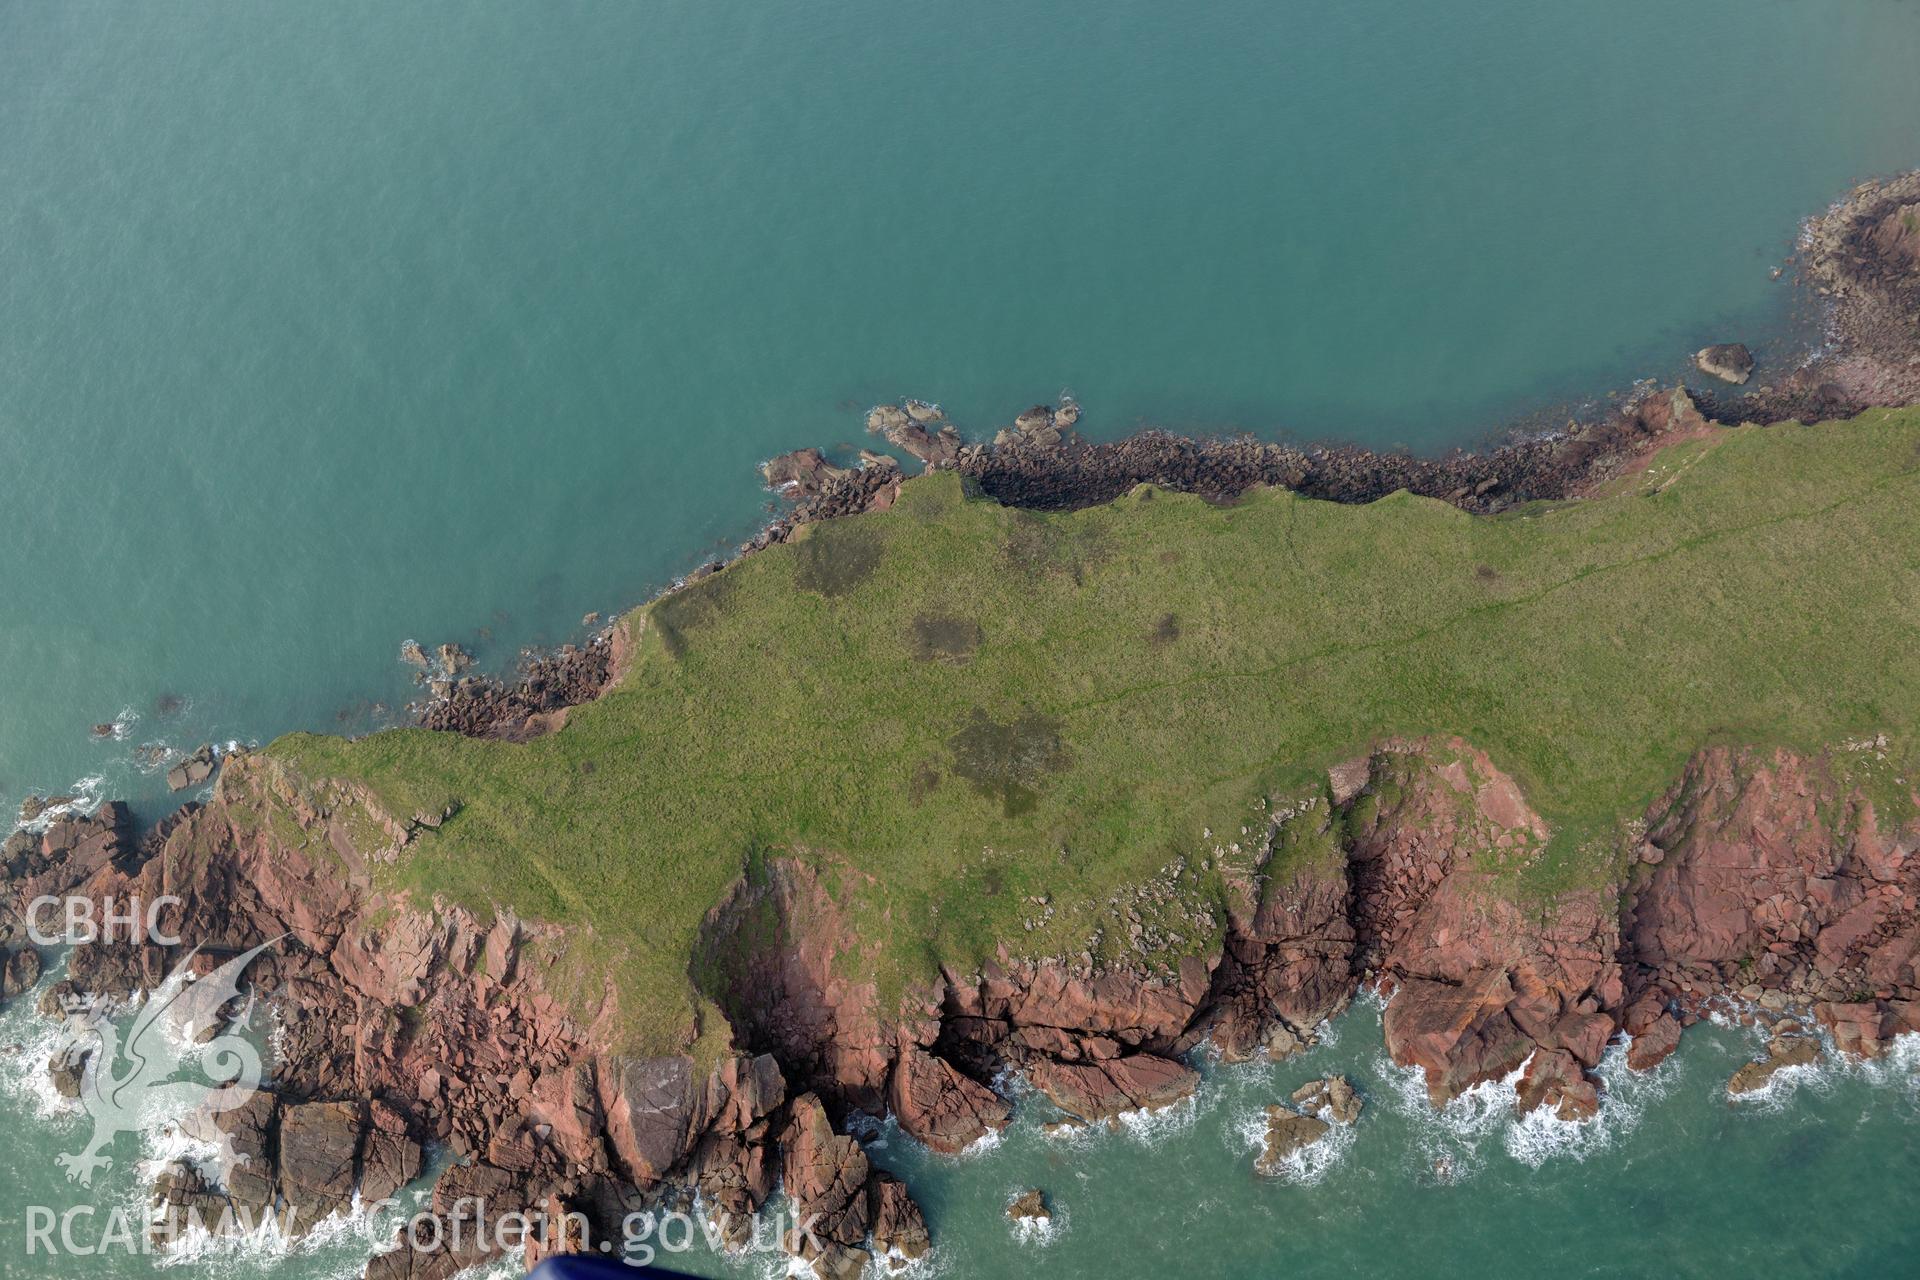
[1763,877]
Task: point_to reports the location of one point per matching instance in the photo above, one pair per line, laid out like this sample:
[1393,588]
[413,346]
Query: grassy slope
[1761,585]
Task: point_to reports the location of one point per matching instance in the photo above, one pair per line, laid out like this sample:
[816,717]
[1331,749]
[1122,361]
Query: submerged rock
[1727,361]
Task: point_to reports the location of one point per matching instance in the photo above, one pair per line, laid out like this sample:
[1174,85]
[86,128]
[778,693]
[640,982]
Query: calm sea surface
[323,325]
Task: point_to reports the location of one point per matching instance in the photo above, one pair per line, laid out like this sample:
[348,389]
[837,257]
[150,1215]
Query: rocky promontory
[1762,878]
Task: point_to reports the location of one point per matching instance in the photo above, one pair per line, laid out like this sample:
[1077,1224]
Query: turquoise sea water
[323,325]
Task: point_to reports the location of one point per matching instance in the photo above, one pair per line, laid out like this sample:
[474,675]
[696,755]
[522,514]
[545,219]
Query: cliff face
[1782,880]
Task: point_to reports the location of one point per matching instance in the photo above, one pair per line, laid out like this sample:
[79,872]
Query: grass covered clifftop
[962,709]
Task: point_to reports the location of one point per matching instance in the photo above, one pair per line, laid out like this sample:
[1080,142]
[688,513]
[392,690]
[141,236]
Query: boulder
[1858,1027]
[1655,1043]
[1727,361]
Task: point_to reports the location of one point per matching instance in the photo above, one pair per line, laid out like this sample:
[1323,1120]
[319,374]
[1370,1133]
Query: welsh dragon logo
[127,1084]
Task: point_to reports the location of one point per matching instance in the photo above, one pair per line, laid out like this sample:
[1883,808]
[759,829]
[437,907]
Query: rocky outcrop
[938,1105]
[1289,956]
[1333,1097]
[1103,1090]
[1773,876]
[1480,980]
[801,473]
[194,770]
[918,429]
[294,1164]
[1782,1052]
[533,703]
[1860,262]
[1288,1134]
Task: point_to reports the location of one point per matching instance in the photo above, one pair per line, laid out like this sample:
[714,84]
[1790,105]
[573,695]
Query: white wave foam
[1153,1127]
[1452,1139]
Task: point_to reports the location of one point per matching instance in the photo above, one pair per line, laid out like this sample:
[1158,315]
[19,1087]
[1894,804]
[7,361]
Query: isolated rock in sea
[1288,1132]
[1782,1052]
[104,729]
[453,659]
[66,1068]
[1334,1095]
[413,655]
[1030,1206]
[1727,361]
